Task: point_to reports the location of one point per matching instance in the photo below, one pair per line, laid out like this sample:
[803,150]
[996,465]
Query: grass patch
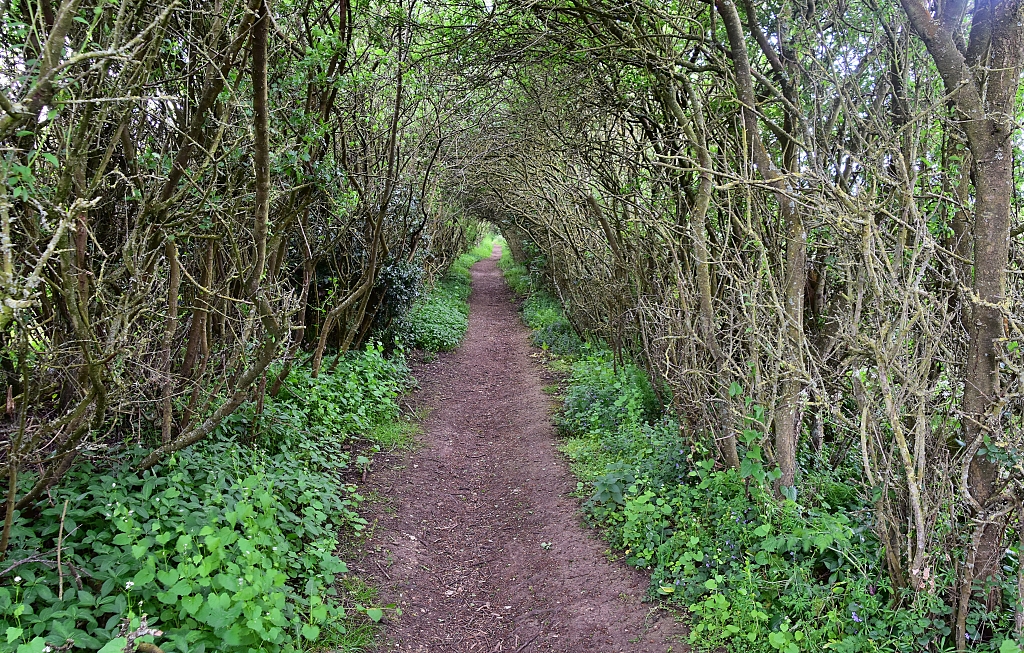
[360,633]
[395,435]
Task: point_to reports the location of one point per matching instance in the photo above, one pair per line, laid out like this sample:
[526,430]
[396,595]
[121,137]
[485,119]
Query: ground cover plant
[229,545]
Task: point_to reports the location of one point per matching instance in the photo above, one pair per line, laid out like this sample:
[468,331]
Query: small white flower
[113,485]
[275,548]
[17,579]
[129,585]
[47,649]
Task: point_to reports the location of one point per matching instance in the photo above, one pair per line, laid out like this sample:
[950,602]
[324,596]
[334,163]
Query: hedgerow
[755,573]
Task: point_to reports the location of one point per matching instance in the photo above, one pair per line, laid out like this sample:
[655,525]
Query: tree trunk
[984,94]
[788,412]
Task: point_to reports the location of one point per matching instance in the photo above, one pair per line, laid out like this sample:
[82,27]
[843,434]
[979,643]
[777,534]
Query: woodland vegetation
[788,232]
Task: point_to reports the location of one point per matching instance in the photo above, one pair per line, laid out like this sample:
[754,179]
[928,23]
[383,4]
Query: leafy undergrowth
[541,311]
[755,573]
[438,320]
[229,545]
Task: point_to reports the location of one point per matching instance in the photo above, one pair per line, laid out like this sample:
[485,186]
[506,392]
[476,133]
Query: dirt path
[476,538]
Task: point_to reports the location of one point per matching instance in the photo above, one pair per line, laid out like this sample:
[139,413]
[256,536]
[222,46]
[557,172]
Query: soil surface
[476,536]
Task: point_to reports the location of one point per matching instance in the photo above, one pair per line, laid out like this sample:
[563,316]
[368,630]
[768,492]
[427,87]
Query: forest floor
[475,534]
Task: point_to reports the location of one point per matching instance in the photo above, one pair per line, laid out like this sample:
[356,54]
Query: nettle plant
[219,557]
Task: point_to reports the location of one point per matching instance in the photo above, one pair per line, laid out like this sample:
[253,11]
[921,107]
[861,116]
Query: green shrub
[437,323]
[541,310]
[227,546]
[604,399]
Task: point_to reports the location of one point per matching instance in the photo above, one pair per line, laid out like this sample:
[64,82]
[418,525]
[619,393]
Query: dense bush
[229,546]
[398,283]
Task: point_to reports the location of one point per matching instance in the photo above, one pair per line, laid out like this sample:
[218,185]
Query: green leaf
[144,577]
[113,646]
[311,632]
[192,603]
[168,577]
[37,645]
[13,633]
[375,614]
[1009,646]
[777,640]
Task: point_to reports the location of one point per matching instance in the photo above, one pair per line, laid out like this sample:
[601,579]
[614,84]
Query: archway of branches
[802,219]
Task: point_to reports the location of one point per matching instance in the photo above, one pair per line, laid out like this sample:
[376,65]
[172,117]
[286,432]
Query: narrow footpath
[476,537]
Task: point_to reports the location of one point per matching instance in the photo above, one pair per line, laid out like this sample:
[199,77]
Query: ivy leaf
[375,614]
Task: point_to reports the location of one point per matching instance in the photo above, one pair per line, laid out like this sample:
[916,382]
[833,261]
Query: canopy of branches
[812,207]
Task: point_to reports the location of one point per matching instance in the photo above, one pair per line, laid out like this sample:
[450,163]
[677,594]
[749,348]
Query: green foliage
[398,282]
[516,275]
[541,311]
[754,573]
[438,320]
[605,400]
[551,330]
[319,413]
[438,323]
[226,547]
